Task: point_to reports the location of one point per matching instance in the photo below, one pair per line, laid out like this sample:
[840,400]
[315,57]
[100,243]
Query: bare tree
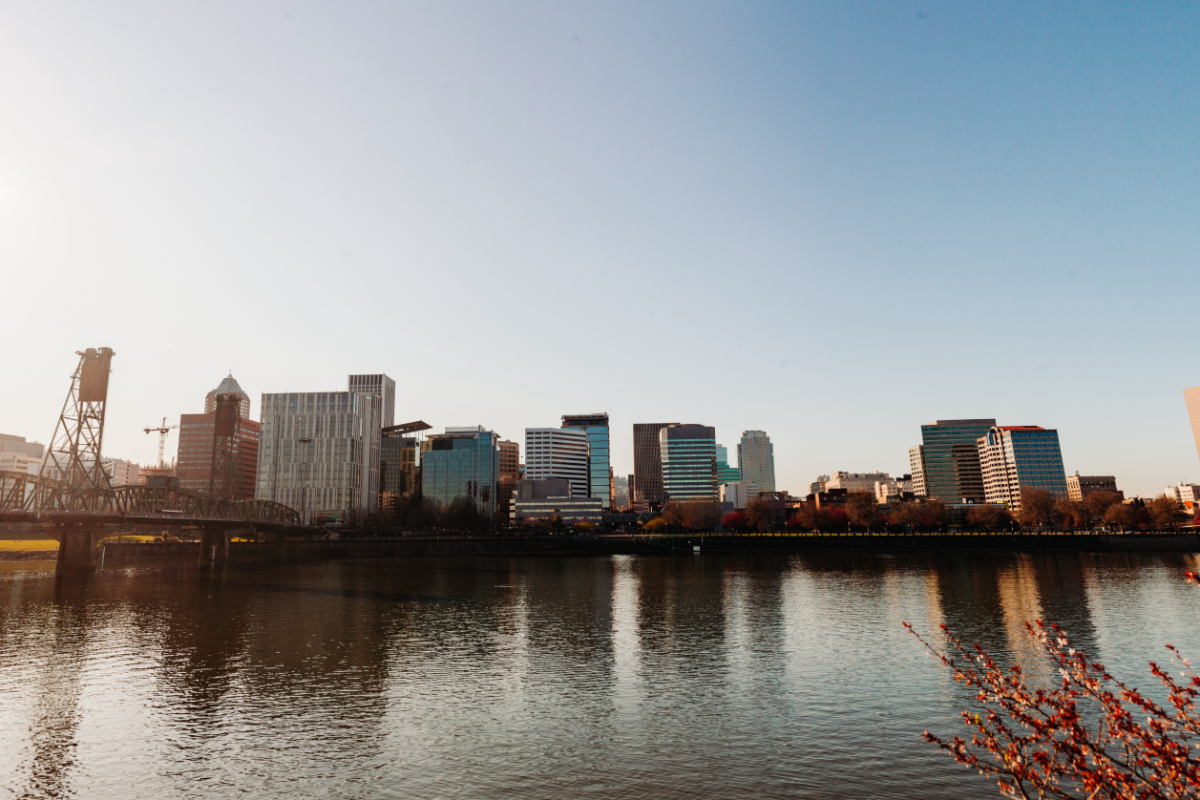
[862,510]
[1037,507]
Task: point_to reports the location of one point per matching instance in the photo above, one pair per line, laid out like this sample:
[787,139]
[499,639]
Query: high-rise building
[599,471]
[228,386]
[951,469]
[726,473]
[756,460]
[916,465]
[689,462]
[738,493]
[1080,486]
[1192,398]
[510,473]
[647,486]
[1016,456]
[319,453]
[559,453]
[380,386]
[197,432]
[462,462]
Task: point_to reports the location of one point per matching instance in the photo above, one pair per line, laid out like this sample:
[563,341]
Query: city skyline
[869,174]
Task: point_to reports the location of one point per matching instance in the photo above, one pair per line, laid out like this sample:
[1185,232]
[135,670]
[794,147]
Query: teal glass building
[952,470]
[726,473]
[462,462]
[599,473]
[689,462]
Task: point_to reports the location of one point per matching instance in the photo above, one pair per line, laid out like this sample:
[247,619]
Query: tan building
[1187,494]
[1192,397]
[508,474]
[121,472]
[856,481]
[1080,486]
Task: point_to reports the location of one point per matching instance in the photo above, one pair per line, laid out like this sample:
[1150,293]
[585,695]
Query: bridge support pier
[214,546]
[77,550]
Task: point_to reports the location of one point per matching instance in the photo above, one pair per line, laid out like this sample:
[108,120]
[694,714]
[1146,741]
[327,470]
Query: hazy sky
[833,222]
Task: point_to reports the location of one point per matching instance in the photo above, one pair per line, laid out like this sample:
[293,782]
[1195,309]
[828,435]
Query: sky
[834,222]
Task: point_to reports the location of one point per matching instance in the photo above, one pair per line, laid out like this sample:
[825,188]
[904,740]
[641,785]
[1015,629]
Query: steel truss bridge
[25,497]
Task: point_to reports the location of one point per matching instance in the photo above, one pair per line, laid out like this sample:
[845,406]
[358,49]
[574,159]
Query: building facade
[121,472]
[559,453]
[738,493]
[399,473]
[462,462]
[689,462]
[1186,494]
[856,481]
[1016,456]
[647,487]
[600,483]
[1080,486]
[18,455]
[726,473]
[916,466]
[951,470]
[1192,398]
[506,481]
[756,460]
[380,386]
[319,453]
[193,461]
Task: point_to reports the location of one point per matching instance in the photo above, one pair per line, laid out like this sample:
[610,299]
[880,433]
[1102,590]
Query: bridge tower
[222,481]
[72,477]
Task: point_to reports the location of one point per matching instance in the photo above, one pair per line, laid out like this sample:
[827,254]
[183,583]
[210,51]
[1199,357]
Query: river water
[551,677]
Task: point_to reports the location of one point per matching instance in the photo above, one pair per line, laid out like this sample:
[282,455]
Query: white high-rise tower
[756,458]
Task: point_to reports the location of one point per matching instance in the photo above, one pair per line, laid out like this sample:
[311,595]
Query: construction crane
[162,431]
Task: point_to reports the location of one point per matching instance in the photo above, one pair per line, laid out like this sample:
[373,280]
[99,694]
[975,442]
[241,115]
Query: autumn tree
[655,525]
[1037,507]
[862,510]
[1100,501]
[1166,513]
[673,514]
[990,517]
[734,520]
[1127,516]
[931,514]
[1073,514]
[759,516]
[701,515]
[1087,736]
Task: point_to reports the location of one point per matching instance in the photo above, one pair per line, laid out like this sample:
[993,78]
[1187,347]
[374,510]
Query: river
[538,677]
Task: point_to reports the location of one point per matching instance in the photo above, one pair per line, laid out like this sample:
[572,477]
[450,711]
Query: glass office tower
[952,471]
[726,473]
[462,462]
[647,486]
[689,462]
[599,474]
[1015,456]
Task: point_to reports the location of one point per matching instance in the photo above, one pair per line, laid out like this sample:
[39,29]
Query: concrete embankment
[116,554]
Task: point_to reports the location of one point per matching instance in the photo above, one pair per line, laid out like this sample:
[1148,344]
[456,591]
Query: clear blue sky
[834,222]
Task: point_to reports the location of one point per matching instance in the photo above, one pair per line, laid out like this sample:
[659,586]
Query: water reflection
[781,676]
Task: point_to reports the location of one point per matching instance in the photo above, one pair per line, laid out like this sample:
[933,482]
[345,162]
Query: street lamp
[304,481]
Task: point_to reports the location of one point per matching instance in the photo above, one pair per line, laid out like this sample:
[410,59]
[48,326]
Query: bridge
[72,498]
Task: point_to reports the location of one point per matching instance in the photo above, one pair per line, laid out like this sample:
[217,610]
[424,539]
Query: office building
[756,460]
[506,481]
[121,472]
[193,461]
[600,484]
[399,473]
[738,493]
[380,386]
[1080,486]
[228,386]
[462,462]
[916,465]
[1016,456]
[1192,398]
[951,471]
[726,473]
[689,462]
[856,481]
[18,455]
[319,453]
[1186,494]
[558,453]
[647,487]
[621,492]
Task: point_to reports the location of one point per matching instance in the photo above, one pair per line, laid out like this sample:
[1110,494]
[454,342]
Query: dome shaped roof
[229,385]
